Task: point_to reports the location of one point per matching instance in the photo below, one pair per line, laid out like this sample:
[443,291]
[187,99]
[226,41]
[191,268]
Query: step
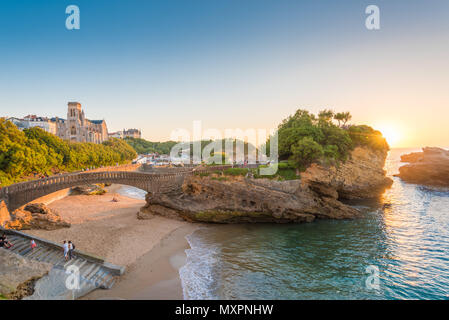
[41,253]
[98,278]
[19,246]
[91,274]
[89,269]
[104,280]
[54,257]
[44,255]
[109,283]
[25,251]
[33,253]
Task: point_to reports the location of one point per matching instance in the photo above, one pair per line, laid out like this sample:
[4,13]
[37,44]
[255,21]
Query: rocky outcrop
[89,190]
[36,216]
[18,275]
[4,213]
[429,167]
[238,199]
[241,199]
[361,176]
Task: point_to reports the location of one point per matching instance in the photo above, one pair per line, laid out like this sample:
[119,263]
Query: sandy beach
[152,250]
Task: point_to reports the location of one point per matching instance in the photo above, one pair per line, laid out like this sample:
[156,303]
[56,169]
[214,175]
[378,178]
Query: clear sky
[159,65]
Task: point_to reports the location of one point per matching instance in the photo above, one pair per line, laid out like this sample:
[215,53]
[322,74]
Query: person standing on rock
[66,250]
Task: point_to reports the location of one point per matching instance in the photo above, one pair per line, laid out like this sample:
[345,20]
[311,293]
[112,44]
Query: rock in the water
[242,199]
[90,189]
[36,216]
[429,167]
[18,275]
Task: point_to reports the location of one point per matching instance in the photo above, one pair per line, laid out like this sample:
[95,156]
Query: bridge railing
[87,177]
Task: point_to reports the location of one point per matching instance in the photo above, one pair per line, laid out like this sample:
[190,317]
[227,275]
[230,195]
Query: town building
[79,129]
[75,128]
[132,133]
[31,121]
[117,134]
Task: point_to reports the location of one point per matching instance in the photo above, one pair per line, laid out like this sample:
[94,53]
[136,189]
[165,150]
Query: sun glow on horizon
[392,133]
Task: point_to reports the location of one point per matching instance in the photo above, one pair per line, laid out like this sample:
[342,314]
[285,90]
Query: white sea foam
[199,276]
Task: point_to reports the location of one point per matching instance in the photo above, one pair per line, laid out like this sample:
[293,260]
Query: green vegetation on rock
[24,154]
[305,138]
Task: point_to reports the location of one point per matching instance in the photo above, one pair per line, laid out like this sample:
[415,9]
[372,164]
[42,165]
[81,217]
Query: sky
[160,65]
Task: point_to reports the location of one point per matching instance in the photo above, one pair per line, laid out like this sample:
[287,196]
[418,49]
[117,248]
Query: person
[71,248]
[66,250]
[33,244]
[4,243]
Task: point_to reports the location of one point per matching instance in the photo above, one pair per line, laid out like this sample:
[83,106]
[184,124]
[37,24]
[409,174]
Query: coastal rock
[36,216]
[4,214]
[360,177]
[429,167]
[18,275]
[89,190]
[242,199]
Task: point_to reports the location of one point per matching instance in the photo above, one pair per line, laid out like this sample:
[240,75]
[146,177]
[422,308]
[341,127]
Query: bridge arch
[22,193]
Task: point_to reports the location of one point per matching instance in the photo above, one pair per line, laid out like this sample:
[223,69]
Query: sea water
[398,250]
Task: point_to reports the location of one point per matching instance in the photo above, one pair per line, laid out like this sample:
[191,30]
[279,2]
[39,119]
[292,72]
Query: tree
[343,117]
[306,151]
[325,115]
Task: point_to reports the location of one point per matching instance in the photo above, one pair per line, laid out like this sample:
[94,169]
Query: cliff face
[430,167]
[225,199]
[360,177]
[4,214]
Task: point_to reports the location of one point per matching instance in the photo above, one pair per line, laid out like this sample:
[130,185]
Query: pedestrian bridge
[19,194]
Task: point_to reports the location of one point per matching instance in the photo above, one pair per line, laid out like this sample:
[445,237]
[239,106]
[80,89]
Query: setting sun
[391,133]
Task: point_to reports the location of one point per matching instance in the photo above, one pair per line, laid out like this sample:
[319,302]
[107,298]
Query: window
[73,131]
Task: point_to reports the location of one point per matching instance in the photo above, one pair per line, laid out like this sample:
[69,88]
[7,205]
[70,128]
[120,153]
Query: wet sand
[152,250]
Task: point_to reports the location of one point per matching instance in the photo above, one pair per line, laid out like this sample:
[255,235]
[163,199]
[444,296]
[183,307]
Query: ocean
[399,249]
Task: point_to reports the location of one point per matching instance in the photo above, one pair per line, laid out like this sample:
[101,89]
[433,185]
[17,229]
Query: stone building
[31,121]
[132,133]
[77,128]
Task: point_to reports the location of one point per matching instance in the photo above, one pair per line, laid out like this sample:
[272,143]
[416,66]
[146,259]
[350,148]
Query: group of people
[4,243]
[68,246]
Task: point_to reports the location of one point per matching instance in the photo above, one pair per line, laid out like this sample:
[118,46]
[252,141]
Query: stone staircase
[94,272]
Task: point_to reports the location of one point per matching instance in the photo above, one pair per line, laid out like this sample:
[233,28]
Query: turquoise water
[404,235]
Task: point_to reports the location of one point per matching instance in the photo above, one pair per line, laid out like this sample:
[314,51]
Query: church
[79,129]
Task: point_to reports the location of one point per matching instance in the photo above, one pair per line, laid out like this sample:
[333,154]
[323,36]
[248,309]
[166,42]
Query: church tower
[75,121]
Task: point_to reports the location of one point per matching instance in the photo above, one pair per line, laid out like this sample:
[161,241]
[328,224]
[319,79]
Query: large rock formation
[429,167]
[18,275]
[4,213]
[36,216]
[240,199]
[361,176]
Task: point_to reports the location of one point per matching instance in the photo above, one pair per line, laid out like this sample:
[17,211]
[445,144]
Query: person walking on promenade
[66,250]
[33,245]
[71,248]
